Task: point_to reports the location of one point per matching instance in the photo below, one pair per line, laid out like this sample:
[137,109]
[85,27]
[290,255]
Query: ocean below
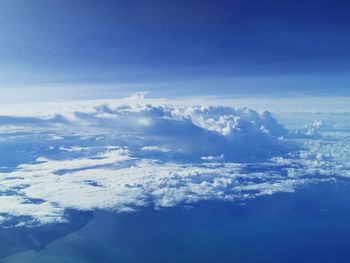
[310,225]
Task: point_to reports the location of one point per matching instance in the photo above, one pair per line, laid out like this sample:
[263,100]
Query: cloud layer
[131,153]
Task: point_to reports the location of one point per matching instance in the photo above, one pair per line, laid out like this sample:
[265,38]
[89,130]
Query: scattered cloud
[137,152]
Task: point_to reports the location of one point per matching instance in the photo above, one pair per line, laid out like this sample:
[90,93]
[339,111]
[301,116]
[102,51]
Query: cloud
[108,159]
[195,131]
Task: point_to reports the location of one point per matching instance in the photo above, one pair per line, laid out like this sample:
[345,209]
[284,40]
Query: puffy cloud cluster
[114,180]
[325,147]
[127,154]
[193,131]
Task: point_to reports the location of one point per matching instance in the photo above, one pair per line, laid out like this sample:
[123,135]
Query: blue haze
[93,49]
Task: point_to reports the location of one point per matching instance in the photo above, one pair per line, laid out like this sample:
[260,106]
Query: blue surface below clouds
[310,225]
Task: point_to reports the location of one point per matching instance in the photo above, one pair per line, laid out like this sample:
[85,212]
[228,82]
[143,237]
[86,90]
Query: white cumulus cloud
[122,155]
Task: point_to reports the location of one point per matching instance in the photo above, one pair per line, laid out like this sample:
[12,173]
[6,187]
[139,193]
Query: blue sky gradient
[240,153]
[101,49]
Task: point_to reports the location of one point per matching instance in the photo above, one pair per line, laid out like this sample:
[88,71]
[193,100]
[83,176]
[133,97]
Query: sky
[166,148]
[89,49]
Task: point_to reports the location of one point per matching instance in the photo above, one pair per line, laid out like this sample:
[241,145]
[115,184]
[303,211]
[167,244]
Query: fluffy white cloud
[125,154]
[132,184]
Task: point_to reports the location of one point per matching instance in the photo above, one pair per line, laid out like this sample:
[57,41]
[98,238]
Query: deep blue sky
[100,48]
